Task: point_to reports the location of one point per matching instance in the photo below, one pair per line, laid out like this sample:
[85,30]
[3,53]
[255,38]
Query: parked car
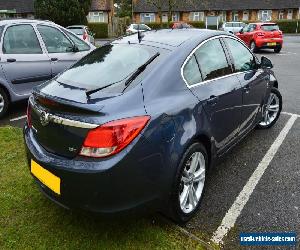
[262,36]
[181,25]
[232,27]
[83,32]
[145,133]
[135,28]
[31,53]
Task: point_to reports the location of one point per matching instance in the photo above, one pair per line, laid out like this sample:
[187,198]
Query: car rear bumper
[269,42]
[117,184]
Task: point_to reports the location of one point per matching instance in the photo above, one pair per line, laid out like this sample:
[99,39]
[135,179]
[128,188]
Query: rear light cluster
[110,138]
[85,35]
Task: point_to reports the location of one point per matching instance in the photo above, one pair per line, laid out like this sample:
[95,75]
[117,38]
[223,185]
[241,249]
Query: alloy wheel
[2,103]
[271,110]
[192,182]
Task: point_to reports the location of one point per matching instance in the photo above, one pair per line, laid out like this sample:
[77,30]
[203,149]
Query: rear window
[77,31]
[270,27]
[228,24]
[107,65]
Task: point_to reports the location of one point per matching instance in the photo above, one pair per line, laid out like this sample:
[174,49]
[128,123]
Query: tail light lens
[110,138]
[29,115]
[85,35]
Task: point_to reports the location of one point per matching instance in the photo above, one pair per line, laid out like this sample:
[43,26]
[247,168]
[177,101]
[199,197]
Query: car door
[60,48]
[23,61]
[219,91]
[253,80]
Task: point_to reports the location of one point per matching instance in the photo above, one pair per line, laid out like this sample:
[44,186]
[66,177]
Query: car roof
[171,38]
[266,23]
[20,21]
[233,22]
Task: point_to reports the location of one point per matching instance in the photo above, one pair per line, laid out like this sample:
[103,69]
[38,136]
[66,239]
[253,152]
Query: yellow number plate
[47,178]
[271,44]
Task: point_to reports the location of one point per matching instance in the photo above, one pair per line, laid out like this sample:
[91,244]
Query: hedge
[199,25]
[288,26]
[100,29]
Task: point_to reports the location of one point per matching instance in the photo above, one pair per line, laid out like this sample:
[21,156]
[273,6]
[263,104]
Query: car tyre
[4,102]
[189,184]
[277,49]
[253,47]
[272,110]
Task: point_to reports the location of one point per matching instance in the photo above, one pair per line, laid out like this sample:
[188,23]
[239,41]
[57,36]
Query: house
[101,11]
[227,10]
[16,9]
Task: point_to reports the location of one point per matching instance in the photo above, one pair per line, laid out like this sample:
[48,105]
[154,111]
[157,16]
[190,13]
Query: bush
[288,26]
[100,29]
[198,25]
[156,26]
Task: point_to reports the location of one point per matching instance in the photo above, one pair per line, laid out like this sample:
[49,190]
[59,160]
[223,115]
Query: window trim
[13,25]
[225,52]
[68,38]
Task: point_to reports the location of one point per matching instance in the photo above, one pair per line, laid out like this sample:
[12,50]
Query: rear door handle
[213,100]
[54,59]
[11,60]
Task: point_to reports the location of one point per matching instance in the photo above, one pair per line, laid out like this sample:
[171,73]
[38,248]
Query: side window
[242,57]
[21,39]
[212,60]
[54,39]
[191,72]
[81,45]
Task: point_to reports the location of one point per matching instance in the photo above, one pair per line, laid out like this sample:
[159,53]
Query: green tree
[63,12]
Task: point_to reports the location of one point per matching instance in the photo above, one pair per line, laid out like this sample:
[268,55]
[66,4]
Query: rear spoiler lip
[48,117]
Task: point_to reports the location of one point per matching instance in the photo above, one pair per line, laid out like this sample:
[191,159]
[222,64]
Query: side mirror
[75,48]
[242,31]
[266,63]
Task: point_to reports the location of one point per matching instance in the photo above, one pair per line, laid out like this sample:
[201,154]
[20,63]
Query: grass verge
[30,221]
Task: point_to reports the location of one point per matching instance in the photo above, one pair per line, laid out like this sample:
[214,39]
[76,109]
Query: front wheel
[189,184]
[272,110]
[4,103]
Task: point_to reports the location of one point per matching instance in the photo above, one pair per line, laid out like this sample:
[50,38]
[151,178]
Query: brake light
[29,115]
[260,34]
[85,35]
[112,137]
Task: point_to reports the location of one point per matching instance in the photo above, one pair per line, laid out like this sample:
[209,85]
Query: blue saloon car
[138,123]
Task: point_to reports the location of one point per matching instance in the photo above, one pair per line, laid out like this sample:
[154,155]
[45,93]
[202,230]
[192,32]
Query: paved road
[274,205]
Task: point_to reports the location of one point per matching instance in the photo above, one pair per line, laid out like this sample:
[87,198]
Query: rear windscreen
[270,27]
[77,31]
[107,65]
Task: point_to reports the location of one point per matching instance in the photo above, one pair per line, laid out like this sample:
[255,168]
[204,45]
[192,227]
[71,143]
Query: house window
[265,15]
[96,17]
[245,15]
[281,14]
[147,17]
[165,18]
[175,17]
[235,16]
[290,14]
[197,16]
[222,16]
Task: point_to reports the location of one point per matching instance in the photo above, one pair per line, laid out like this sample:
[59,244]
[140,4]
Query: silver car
[31,53]
[82,32]
[232,27]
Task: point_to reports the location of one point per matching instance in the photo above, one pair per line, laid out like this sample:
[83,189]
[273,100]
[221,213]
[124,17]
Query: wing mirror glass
[266,63]
[242,30]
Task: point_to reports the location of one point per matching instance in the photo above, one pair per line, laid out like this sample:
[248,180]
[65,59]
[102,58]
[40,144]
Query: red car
[181,25]
[262,36]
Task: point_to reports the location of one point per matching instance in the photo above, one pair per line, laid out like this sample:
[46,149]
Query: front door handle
[213,100]
[54,59]
[11,60]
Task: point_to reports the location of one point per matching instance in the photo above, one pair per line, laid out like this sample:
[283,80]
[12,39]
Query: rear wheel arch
[2,86]
[275,84]
[205,140]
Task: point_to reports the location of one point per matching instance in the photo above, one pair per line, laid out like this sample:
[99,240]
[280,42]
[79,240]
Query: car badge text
[44,118]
